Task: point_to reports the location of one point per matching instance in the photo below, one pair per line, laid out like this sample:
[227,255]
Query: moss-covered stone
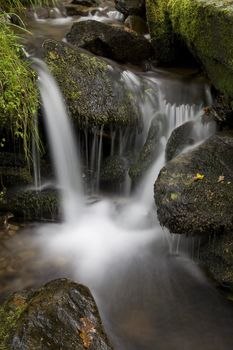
[194,191]
[93,90]
[31,205]
[206,26]
[62,314]
[14,177]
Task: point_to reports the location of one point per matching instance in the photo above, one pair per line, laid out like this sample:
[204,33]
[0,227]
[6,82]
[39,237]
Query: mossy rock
[92,88]
[194,191]
[14,177]
[62,314]
[205,26]
[32,205]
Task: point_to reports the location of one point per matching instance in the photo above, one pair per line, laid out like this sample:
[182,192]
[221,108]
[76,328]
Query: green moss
[88,86]
[205,26]
[18,93]
[9,316]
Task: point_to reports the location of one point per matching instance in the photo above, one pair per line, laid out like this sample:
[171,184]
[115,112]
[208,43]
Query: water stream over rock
[117,247]
[150,293]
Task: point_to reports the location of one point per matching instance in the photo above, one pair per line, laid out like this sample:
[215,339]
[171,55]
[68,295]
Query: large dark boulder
[92,88]
[60,315]
[194,191]
[131,7]
[110,41]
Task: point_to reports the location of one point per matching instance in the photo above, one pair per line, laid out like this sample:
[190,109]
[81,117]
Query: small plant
[18,92]
[19,5]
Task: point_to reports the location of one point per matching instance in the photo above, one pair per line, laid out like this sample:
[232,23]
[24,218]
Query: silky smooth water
[149,297]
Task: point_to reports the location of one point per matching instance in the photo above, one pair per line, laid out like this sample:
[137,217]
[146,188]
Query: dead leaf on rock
[221,178]
[87,332]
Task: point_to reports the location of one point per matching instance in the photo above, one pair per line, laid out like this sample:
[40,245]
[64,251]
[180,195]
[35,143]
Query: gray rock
[150,149]
[188,205]
[180,138]
[110,41]
[131,7]
[60,315]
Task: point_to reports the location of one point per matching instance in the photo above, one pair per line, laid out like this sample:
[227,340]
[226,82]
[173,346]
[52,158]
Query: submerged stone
[194,191]
[110,41]
[92,88]
[60,315]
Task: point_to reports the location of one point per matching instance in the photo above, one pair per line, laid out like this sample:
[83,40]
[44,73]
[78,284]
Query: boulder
[131,7]
[180,138]
[92,88]
[150,149]
[14,177]
[194,191]
[205,26]
[110,41]
[60,315]
[216,255]
[114,171]
[31,205]
[137,24]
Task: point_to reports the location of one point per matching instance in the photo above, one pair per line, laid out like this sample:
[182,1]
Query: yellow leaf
[199,177]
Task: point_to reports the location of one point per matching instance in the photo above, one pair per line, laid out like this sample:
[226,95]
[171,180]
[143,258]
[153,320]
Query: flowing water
[149,297]
[150,294]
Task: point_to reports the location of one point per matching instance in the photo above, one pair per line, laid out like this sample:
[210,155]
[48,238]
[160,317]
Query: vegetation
[18,93]
[19,5]
[204,25]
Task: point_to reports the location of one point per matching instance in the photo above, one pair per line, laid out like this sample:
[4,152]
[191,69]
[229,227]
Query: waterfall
[63,147]
[36,159]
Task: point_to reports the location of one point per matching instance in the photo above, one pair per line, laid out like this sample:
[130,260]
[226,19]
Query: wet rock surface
[32,205]
[92,89]
[110,41]
[137,24]
[61,314]
[150,149]
[180,138]
[193,192]
[131,7]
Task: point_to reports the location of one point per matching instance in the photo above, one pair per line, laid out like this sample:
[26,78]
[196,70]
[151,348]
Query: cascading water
[118,249]
[62,143]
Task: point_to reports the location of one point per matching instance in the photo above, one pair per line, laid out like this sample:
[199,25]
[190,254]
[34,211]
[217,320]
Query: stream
[150,292]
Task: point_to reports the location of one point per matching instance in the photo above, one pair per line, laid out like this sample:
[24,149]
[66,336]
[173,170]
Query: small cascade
[62,143]
[36,159]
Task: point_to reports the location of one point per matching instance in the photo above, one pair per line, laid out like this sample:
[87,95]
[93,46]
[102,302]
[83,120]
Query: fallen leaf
[221,178]
[87,332]
[199,177]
